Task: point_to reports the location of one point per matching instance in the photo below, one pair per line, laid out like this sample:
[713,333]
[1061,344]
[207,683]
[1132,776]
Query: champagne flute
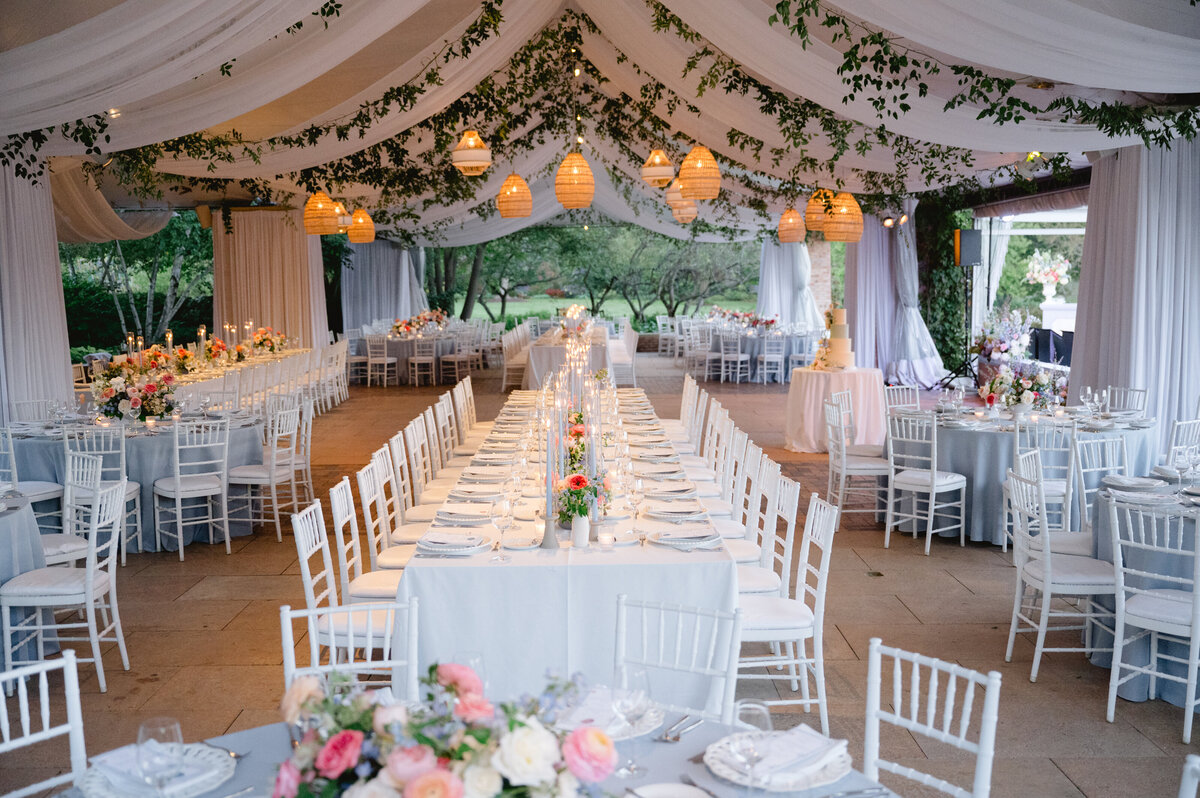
[159,752]
[630,704]
[755,717]
[501,514]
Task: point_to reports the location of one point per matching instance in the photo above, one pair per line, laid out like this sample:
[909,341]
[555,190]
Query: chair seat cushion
[38,491]
[394,557]
[717,507]
[858,464]
[259,474]
[1163,606]
[743,551]
[376,585]
[60,545]
[695,461]
[198,485]
[354,627]
[1073,570]
[1071,543]
[919,480]
[772,613]
[728,528]
[85,496]
[752,579]
[699,475]
[866,450]
[50,582]
[707,490]
[421,513]
[408,532]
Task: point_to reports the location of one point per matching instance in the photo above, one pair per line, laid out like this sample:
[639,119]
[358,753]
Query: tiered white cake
[840,354]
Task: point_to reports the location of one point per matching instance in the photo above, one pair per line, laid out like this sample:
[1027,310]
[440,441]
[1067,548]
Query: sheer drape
[1140,279]
[915,360]
[871,295]
[784,272]
[380,283]
[35,355]
[82,214]
[996,237]
[267,270]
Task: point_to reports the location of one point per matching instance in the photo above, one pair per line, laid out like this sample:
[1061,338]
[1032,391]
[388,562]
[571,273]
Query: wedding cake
[840,355]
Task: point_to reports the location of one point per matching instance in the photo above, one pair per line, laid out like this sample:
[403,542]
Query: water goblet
[501,514]
[630,704]
[159,752]
[756,715]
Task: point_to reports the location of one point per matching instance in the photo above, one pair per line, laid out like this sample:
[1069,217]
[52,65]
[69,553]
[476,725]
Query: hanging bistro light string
[471,157]
[515,200]
[791,227]
[574,184]
[843,221]
[320,215]
[699,175]
[658,170]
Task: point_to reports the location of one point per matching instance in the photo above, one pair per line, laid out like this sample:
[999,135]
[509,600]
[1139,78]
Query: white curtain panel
[784,272]
[269,271]
[82,214]
[871,295]
[35,355]
[380,283]
[915,360]
[996,235]
[1140,279]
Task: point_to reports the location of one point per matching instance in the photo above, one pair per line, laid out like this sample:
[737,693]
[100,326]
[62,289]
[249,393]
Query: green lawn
[613,308]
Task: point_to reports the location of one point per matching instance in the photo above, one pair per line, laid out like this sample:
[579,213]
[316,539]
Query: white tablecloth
[548,352]
[805,425]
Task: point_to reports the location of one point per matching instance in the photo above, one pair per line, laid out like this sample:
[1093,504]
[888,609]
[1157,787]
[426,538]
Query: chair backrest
[902,396]
[912,442]
[746,494]
[107,443]
[1031,527]
[375,641]
[1189,782]
[845,404]
[835,435]
[376,348]
[304,432]
[8,460]
[345,535]
[201,448]
[281,432]
[425,347]
[402,473]
[1154,553]
[469,394]
[79,487]
[107,512]
[443,419]
[24,729]
[420,455]
[731,344]
[373,504]
[762,519]
[31,410]
[940,703]
[774,346]
[1184,434]
[1121,398]
[816,549]
[308,527]
[674,641]
[1096,457]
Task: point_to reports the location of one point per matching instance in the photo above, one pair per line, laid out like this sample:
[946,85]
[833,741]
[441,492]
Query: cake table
[804,429]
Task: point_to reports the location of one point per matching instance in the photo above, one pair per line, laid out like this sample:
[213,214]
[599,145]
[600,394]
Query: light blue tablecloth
[752,345]
[20,552]
[147,458]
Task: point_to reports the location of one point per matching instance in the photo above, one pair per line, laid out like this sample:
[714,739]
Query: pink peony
[577,430]
[109,393]
[135,402]
[577,482]
[461,678]
[287,781]
[405,764]
[473,708]
[435,784]
[339,754]
[590,754]
[168,378]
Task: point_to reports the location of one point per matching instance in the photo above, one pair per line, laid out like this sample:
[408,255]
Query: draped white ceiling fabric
[915,360]
[783,285]
[268,271]
[82,214]
[380,283]
[871,295]
[1139,280]
[35,355]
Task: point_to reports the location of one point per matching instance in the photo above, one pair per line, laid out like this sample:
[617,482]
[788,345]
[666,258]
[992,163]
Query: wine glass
[1102,401]
[630,704]
[637,495]
[501,514]
[1085,396]
[159,752]
[755,717]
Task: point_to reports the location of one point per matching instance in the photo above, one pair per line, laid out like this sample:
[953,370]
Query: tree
[474,282]
[586,260]
[514,263]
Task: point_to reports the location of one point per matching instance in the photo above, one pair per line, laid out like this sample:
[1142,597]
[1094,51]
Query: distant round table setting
[404,347]
[20,548]
[804,429]
[751,343]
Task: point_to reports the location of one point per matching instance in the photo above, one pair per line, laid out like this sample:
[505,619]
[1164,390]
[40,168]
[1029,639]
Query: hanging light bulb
[889,222]
[814,211]
[471,157]
[362,228]
[791,227]
[515,200]
[574,185]
[658,170]
[320,216]
[344,218]
[699,175]
[675,196]
[843,221]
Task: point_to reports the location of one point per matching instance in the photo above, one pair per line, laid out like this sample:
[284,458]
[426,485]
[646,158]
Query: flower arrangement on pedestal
[576,493]
[266,338]
[1004,336]
[1049,271]
[455,744]
[136,391]
[1030,386]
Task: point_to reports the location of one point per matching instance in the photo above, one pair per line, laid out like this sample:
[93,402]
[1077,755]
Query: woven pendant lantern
[658,170]
[320,217]
[343,216]
[362,228]
[814,211]
[684,213]
[699,175]
[574,185]
[843,222]
[675,197]
[791,227]
[471,157]
[515,200]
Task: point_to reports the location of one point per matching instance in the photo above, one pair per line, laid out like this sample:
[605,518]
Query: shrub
[556,293]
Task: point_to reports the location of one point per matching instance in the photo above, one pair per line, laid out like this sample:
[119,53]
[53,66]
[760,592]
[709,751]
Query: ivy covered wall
[942,303]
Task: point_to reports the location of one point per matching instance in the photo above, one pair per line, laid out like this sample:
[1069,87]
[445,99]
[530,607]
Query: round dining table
[751,343]
[804,425]
[20,552]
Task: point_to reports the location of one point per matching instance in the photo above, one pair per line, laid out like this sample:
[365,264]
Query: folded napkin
[493,457]
[1142,497]
[433,538]
[688,533]
[801,758]
[684,507]
[594,710]
[485,474]
[1122,481]
[668,489]
[476,490]
[120,768]
[655,469]
[462,513]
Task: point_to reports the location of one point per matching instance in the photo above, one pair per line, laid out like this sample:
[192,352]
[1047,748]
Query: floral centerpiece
[215,349]
[1049,271]
[267,339]
[741,317]
[1024,385]
[1004,336]
[185,360]
[434,317]
[133,389]
[239,353]
[456,744]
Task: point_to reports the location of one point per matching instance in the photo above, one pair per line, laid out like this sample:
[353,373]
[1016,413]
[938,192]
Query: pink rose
[150,387]
[461,678]
[405,764]
[287,781]
[385,716]
[607,483]
[339,754]
[473,708]
[109,393]
[578,430]
[435,784]
[168,378]
[590,754]
[135,402]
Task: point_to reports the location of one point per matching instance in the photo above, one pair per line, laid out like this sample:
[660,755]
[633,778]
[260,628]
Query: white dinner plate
[218,768]
[712,541]
[521,543]
[670,791]
[718,754]
[452,551]
[1192,490]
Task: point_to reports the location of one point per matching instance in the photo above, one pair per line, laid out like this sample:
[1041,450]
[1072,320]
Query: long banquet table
[549,351]
[556,609]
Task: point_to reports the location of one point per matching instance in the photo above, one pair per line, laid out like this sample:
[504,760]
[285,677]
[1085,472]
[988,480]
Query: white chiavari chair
[37,491]
[197,492]
[26,730]
[912,454]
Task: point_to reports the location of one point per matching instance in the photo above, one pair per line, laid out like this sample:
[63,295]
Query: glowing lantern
[320,215]
[699,175]
[573,183]
[658,170]
[515,200]
[791,227]
[471,157]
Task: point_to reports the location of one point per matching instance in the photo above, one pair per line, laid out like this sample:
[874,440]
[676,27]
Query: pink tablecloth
[805,427]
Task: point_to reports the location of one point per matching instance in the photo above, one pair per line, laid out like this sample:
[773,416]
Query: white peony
[375,788]
[481,781]
[123,406]
[1027,398]
[568,785]
[527,755]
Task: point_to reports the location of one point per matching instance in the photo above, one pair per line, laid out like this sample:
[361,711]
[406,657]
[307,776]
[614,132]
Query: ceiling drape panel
[379,283]
[268,271]
[1032,203]
[1139,281]
[996,234]
[915,360]
[35,359]
[82,214]
[871,295]
[784,272]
